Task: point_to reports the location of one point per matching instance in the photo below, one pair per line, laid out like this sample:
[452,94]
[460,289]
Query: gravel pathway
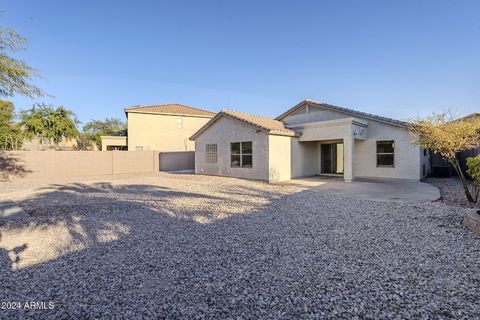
[196,247]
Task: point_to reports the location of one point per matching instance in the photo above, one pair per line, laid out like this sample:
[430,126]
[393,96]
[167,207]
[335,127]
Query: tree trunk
[461,176]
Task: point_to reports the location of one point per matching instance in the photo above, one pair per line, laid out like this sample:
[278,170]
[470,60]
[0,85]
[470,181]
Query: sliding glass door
[331,158]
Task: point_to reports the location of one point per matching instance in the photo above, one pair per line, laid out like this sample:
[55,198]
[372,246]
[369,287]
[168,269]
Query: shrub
[473,165]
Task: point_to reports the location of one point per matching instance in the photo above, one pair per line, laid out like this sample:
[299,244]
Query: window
[241,154]
[179,123]
[385,153]
[211,153]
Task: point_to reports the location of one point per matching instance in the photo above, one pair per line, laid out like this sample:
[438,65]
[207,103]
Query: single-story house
[164,127]
[312,138]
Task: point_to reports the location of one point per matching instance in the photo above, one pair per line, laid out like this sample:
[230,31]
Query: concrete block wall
[47,164]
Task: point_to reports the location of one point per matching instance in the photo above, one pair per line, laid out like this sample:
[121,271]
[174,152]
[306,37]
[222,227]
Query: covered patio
[331,145]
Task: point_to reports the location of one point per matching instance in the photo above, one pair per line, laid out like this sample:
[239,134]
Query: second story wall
[147,131]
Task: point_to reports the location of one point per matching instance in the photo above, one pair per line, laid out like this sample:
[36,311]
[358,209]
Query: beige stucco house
[114,143]
[37,144]
[165,127]
[309,139]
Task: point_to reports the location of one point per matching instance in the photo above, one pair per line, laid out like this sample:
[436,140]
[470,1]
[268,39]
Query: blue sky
[393,58]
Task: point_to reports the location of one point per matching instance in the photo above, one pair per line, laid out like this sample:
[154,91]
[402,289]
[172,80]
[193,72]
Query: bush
[473,165]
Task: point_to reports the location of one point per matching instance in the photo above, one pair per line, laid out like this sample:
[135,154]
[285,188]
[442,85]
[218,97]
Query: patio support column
[348,157]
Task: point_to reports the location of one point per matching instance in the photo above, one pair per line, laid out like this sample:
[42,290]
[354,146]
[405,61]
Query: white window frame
[211,153]
[179,123]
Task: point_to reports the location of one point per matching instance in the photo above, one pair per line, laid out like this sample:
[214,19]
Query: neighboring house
[36,144]
[110,143]
[462,156]
[309,139]
[442,168]
[165,127]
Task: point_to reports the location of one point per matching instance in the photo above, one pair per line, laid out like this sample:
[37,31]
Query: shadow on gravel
[140,251]
[75,217]
[11,166]
[88,248]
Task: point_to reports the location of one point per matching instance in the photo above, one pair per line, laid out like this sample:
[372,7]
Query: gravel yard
[451,190]
[185,246]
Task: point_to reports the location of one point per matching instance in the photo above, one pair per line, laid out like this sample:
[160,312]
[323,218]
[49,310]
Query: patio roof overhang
[332,129]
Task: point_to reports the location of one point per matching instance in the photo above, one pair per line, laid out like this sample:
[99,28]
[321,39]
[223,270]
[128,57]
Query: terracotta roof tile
[470,117]
[271,126]
[171,109]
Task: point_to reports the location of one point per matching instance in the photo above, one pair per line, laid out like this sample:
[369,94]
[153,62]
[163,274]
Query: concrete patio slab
[375,190]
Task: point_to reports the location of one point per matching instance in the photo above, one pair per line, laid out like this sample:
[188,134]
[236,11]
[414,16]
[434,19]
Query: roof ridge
[468,116]
[244,116]
[338,108]
[251,114]
[355,111]
[269,125]
[170,109]
[165,104]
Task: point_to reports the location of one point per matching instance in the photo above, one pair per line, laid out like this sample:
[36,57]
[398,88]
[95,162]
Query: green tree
[45,122]
[15,78]
[94,129]
[15,74]
[11,136]
[448,137]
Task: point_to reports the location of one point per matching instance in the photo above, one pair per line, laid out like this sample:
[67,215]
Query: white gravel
[196,247]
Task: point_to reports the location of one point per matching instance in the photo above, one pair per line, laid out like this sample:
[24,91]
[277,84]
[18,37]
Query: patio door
[331,158]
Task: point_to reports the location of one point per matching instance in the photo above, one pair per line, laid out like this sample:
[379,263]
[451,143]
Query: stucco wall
[314,114]
[35,145]
[46,164]
[305,158]
[280,164]
[160,132]
[113,141]
[177,160]
[325,131]
[407,155]
[223,132]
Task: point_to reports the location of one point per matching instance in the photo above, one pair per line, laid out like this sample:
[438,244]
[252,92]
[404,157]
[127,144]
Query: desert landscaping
[189,246]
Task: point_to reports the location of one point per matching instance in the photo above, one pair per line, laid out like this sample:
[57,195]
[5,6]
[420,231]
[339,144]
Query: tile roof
[472,116]
[269,125]
[171,109]
[342,110]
